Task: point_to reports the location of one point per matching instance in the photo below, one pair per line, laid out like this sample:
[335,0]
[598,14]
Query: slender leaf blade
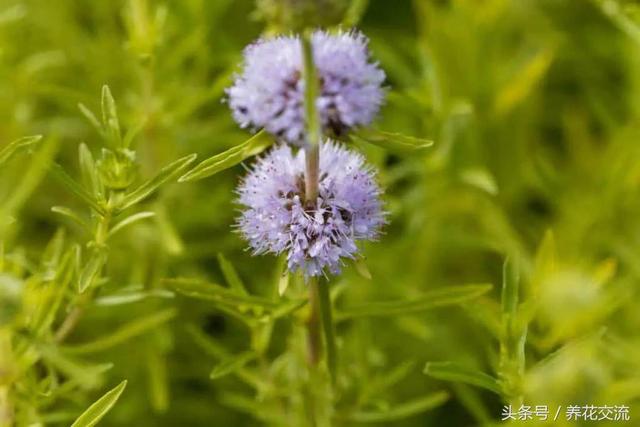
[391,141]
[100,407]
[402,410]
[216,293]
[92,269]
[231,275]
[124,333]
[167,173]
[232,364]
[429,300]
[76,188]
[211,166]
[450,371]
[7,152]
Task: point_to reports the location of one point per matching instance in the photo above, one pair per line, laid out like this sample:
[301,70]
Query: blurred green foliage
[110,270]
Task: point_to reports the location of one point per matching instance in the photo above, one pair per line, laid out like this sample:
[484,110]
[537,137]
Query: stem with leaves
[513,338]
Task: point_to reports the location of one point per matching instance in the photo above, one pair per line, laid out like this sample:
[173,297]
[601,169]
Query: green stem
[6,408]
[314,130]
[314,339]
[73,317]
[319,301]
[327,326]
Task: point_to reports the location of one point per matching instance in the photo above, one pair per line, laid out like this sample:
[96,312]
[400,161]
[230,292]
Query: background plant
[532,107]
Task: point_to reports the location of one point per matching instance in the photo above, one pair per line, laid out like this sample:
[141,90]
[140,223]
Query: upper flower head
[269,92]
[317,235]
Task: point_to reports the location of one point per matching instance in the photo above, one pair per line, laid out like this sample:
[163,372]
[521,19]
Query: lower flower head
[315,236]
[269,92]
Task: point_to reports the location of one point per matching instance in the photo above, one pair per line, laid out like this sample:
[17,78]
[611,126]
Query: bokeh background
[533,108]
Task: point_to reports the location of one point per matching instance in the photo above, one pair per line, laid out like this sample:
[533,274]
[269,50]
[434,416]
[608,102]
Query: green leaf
[401,410]
[110,118]
[232,364]
[124,333]
[131,297]
[214,349]
[429,300]
[231,275]
[167,173]
[132,133]
[510,288]
[100,407]
[84,375]
[92,269]
[15,146]
[32,174]
[379,384]
[354,13]
[53,293]
[219,294]
[130,220]
[72,215]
[283,282]
[450,371]
[90,117]
[391,141]
[255,145]
[89,171]
[362,269]
[76,188]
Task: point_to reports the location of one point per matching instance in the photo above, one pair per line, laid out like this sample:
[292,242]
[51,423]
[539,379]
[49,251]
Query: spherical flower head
[315,236]
[269,93]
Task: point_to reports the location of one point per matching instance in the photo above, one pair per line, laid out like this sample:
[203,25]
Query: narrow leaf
[217,293]
[391,141]
[131,297]
[232,364]
[255,145]
[110,117]
[429,300]
[450,371]
[75,188]
[167,173]
[99,409]
[124,333]
[231,275]
[15,146]
[72,215]
[510,288]
[214,349]
[401,410]
[92,269]
[130,220]
[90,117]
[283,282]
[89,171]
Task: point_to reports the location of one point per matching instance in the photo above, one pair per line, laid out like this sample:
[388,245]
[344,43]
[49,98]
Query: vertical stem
[314,339]
[327,326]
[6,409]
[312,157]
[6,412]
[513,338]
[319,302]
[314,130]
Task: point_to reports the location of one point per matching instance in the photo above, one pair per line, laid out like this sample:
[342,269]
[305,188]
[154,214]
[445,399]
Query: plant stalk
[6,408]
[314,130]
[328,328]
[314,338]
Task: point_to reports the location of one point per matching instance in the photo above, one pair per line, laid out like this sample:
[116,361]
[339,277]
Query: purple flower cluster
[318,235]
[269,92]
